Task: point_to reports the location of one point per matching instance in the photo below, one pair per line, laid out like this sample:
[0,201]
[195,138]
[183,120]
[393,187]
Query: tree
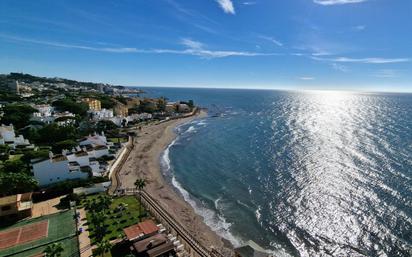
[103,247]
[67,144]
[191,104]
[16,166]
[140,184]
[52,133]
[53,250]
[17,114]
[105,125]
[4,152]
[98,220]
[70,105]
[14,183]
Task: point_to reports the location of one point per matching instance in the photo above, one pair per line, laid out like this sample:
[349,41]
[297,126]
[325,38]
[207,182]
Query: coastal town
[80,173]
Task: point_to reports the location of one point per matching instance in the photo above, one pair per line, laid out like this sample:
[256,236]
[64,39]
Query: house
[94,104]
[8,137]
[19,205]
[43,110]
[58,168]
[103,114]
[183,108]
[94,140]
[251,249]
[132,102]
[171,107]
[141,230]
[157,245]
[121,110]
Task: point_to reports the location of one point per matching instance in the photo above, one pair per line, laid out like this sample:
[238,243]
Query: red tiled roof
[141,229]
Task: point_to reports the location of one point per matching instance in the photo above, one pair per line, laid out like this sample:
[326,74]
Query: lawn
[118,139]
[15,157]
[62,228]
[117,220]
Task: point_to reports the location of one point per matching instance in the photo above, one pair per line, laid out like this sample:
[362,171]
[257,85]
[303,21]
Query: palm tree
[140,184]
[104,202]
[103,247]
[98,221]
[53,250]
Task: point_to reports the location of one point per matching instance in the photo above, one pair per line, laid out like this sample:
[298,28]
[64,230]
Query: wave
[165,159]
[191,129]
[212,219]
[215,221]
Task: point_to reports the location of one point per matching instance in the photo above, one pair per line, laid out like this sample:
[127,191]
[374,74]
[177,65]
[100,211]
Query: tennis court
[24,234]
[30,237]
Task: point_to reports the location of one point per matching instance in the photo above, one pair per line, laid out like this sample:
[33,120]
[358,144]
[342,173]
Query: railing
[158,210]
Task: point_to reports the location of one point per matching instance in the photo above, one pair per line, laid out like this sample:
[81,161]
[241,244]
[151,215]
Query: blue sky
[286,44]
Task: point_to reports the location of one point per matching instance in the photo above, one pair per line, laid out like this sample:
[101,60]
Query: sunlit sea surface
[300,173]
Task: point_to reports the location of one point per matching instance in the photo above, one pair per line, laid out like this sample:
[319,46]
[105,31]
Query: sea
[300,173]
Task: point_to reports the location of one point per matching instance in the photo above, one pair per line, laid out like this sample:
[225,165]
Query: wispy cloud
[338,2]
[199,49]
[386,73]
[74,46]
[227,6]
[339,67]
[192,47]
[360,27]
[249,3]
[371,60]
[273,40]
[306,78]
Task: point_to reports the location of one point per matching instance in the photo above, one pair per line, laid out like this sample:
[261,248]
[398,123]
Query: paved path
[84,240]
[46,207]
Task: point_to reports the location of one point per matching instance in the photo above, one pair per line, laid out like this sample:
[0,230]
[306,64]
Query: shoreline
[144,161]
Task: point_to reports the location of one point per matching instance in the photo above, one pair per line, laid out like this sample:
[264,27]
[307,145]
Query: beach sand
[144,162]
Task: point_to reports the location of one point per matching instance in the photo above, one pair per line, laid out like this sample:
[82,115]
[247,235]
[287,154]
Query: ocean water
[300,173]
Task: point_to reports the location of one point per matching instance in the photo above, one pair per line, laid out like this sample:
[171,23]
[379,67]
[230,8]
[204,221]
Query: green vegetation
[17,114]
[118,139]
[53,250]
[108,223]
[62,229]
[14,183]
[103,247]
[67,104]
[140,184]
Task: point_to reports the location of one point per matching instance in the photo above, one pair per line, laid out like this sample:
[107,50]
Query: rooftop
[141,229]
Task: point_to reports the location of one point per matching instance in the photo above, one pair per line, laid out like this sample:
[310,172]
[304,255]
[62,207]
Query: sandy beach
[144,162]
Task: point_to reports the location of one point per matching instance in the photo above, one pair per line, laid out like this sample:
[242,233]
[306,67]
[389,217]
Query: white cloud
[193,47]
[191,43]
[227,6]
[75,46]
[306,78]
[198,49]
[273,40]
[371,60]
[337,2]
[386,73]
[339,67]
[249,3]
[360,27]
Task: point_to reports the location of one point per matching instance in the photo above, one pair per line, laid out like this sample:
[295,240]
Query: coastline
[144,161]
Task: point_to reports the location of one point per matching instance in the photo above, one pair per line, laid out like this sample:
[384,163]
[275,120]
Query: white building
[63,118]
[140,116]
[76,164]
[94,140]
[44,110]
[8,137]
[56,169]
[103,114]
